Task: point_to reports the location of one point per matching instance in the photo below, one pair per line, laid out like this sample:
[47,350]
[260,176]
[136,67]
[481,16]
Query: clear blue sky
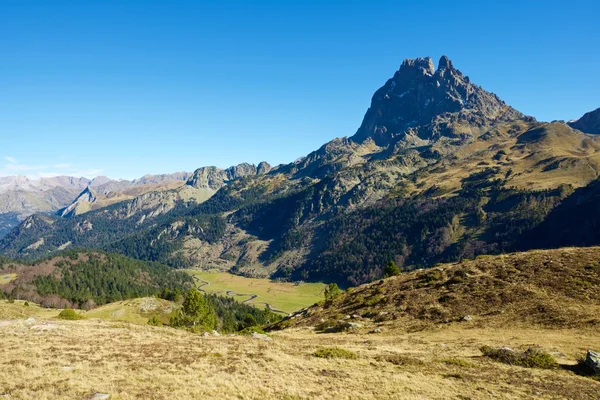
[125,88]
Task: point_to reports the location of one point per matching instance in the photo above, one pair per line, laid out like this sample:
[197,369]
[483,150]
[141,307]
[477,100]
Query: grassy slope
[547,288]
[425,350]
[75,359]
[284,296]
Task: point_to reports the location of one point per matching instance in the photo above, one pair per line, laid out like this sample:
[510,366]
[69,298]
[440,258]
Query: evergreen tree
[391,269]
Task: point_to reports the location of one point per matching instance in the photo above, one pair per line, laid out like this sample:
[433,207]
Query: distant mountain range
[21,196]
[439,170]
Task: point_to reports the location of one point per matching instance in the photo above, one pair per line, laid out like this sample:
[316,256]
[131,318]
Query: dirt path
[251,296]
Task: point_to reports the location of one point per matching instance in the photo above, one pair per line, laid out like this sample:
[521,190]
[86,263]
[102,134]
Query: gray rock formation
[592,360]
[215,178]
[427,102]
[589,123]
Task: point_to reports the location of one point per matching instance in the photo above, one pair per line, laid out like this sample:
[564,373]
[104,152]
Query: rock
[355,316]
[68,368]
[30,321]
[100,396]
[261,336]
[347,317]
[467,318]
[206,334]
[215,333]
[592,360]
[44,327]
[376,330]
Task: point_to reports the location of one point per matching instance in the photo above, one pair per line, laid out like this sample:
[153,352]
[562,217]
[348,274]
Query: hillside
[416,335]
[546,289]
[439,170]
[85,279]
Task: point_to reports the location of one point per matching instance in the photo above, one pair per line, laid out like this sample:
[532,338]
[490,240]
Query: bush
[11,300]
[70,315]
[26,304]
[531,358]
[335,352]
[252,329]
[391,269]
[155,321]
[332,291]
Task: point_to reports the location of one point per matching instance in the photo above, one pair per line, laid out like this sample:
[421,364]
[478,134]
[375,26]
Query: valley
[285,296]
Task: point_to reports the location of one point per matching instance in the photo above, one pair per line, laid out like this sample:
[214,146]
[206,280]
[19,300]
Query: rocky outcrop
[81,204]
[214,178]
[589,123]
[429,103]
[592,360]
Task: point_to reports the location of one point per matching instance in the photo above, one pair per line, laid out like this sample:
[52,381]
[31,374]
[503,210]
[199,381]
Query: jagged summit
[430,103]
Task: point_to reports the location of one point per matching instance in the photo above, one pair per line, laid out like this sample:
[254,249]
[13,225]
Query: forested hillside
[439,170]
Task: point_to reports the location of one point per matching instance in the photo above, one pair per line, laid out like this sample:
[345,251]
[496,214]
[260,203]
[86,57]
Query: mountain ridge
[471,176]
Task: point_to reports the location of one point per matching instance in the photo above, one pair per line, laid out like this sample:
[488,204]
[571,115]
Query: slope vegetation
[542,288]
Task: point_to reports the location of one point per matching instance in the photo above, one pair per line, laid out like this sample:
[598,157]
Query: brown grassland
[409,340]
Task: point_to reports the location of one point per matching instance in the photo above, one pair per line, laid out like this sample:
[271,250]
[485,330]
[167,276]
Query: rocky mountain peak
[445,63]
[415,67]
[86,197]
[589,123]
[214,178]
[427,101]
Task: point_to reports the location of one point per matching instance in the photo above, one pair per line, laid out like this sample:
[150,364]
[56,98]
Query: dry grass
[79,358]
[544,288]
[5,278]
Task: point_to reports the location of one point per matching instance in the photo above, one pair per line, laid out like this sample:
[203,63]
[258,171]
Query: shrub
[26,304]
[335,352]
[252,329]
[70,315]
[531,358]
[155,321]
[11,300]
[433,276]
[332,291]
[373,300]
[391,269]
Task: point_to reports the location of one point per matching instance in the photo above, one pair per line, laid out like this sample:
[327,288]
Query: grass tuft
[334,352]
[531,358]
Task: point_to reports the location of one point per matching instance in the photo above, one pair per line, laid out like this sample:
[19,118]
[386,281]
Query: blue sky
[125,88]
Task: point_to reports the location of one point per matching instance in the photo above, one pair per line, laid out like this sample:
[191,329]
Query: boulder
[100,396]
[592,360]
[261,336]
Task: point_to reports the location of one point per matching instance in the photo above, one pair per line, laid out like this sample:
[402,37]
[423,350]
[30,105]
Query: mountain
[439,170]
[422,102]
[21,197]
[589,123]
[81,203]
